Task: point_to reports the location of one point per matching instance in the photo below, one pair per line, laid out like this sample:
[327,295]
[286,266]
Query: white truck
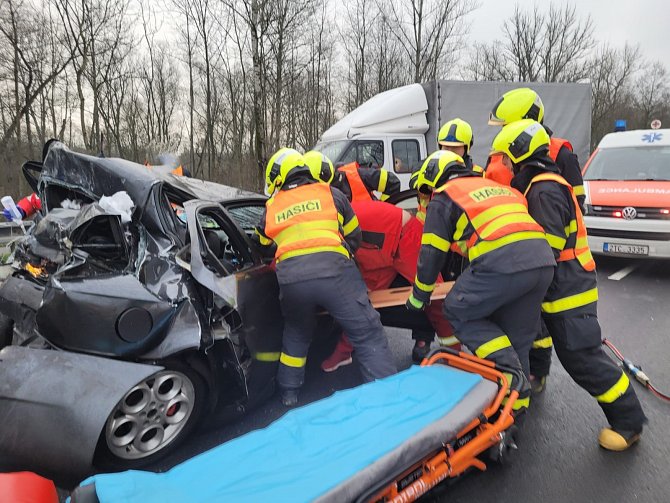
[398,128]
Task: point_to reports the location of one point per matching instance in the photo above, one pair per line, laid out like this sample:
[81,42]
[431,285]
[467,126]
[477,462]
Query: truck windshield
[332,149]
[630,163]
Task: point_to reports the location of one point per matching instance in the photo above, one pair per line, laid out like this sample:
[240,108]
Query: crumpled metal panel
[47,237]
[54,404]
[83,315]
[185,333]
[96,176]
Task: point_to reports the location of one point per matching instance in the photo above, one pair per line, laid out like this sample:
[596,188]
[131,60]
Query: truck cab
[387,131]
[399,154]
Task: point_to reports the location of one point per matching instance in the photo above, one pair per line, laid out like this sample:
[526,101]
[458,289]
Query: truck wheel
[152,418]
[6,330]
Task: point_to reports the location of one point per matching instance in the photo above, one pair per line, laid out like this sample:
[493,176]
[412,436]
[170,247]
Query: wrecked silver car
[137,305]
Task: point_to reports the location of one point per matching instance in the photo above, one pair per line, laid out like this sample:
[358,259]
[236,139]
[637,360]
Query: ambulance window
[369,153]
[405,155]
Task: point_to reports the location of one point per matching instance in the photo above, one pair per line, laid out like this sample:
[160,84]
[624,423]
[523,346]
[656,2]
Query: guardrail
[12,230]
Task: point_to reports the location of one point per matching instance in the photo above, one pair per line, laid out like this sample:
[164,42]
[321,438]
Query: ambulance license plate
[627,249]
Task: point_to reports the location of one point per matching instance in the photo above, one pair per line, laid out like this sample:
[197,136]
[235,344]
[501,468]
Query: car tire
[152,418]
[6,330]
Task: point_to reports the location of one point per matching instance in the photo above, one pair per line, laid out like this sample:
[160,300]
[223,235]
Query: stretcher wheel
[505,451]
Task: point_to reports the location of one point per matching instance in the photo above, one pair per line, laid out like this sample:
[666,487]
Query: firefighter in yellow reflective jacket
[494,305]
[569,308]
[316,232]
[515,105]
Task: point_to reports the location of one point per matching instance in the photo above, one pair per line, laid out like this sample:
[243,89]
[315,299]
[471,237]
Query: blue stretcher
[354,445]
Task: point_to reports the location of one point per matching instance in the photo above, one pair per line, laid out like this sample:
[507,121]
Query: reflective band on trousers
[448,341]
[544,343]
[492,346]
[519,403]
[267,357]
[292,361]
[615,391]
[571,302]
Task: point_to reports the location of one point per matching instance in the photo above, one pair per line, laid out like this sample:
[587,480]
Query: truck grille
[642,213]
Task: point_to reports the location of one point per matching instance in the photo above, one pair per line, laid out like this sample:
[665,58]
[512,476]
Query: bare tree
[17,22]
[613,70]
[429,31]
[552,46]
[651,95]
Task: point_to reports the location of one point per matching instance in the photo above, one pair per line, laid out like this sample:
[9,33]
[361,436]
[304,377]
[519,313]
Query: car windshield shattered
[630,163]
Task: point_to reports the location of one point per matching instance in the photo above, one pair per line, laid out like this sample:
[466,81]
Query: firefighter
[316,232]
[387,257]
[515,105]
[359,183]
[524,103]
[569,309]
[494,305]
[456,136]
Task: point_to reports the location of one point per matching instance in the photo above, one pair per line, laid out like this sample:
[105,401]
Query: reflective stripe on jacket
[575,244]
[498,215]
[304,220]
[359,192]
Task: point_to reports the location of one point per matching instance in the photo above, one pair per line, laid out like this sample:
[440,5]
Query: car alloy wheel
[150,416]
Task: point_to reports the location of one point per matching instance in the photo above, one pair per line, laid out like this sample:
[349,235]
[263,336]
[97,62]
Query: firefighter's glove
[414,304]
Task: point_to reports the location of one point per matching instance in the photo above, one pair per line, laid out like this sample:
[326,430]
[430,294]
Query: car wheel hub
[150,416]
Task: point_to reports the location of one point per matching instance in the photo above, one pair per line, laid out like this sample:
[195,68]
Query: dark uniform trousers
[485,307]
[540,353]
[577,339]
[345,297]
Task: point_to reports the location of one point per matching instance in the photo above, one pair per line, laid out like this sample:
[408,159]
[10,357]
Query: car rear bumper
[650,236]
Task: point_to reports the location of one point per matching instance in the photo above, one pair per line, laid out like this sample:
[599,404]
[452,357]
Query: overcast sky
[642,22]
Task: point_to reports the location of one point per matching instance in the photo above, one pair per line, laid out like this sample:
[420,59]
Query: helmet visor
[495,120]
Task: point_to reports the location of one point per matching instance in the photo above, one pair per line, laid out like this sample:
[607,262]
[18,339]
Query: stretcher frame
[460,454]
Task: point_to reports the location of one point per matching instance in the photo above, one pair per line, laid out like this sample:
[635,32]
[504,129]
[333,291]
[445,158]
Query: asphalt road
[558,457]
